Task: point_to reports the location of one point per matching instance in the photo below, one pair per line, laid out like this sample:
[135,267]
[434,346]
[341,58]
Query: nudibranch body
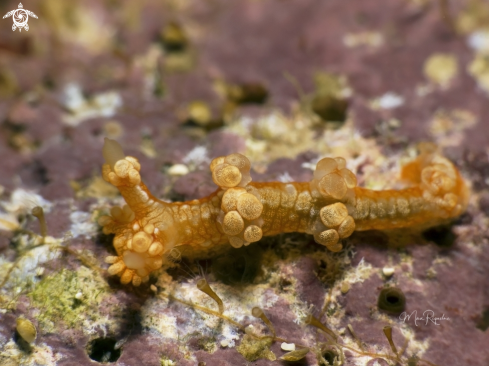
[239,212]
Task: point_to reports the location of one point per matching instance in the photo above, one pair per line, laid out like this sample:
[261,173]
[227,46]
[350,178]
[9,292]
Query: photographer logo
[428,317]
[20,17]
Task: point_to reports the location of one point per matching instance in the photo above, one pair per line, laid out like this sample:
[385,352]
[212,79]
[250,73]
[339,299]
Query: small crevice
[103,350]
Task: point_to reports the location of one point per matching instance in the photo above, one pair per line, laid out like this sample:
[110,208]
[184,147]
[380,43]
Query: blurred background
[285,82]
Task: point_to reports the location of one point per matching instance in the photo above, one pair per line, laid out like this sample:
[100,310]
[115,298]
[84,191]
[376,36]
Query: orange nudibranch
[239,212]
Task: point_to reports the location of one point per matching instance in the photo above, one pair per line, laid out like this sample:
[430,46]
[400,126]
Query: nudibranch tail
[437,193]
[240,212]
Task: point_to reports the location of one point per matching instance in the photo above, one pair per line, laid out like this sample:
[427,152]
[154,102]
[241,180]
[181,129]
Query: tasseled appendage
[241,208]
[240,216]
[231,171]
[333,181]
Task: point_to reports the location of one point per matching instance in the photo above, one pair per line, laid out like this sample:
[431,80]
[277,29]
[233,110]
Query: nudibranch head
[141,243]
[140,249]
[139,254]
[134,263]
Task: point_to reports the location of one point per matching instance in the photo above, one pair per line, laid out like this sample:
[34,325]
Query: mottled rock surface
[285,83]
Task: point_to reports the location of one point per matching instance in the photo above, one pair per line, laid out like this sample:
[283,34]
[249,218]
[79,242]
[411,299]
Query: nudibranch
[330,207]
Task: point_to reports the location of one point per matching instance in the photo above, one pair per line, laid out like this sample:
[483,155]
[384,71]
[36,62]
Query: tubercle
[149,232]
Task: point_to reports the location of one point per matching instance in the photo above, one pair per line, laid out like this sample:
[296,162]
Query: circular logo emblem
[20,18]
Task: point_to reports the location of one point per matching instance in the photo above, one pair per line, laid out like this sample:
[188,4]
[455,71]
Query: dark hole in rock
[330,356]
[483,322]
[211,126]
[35,173]
[191,123]
[173,38]
[206,344]
[441,236]
[97,131]
[199,115]
[40,171]
[14,128]
[102,350]
[76,303]
[329,270]
[329,108]
[18,137]
[284,283]
[48,82]
[248,93]
[240,266]
[391,300]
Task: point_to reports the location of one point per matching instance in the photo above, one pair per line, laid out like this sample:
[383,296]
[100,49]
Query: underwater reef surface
[285,83]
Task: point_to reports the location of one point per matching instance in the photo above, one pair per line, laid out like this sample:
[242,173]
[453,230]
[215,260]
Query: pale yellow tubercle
[240,211]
